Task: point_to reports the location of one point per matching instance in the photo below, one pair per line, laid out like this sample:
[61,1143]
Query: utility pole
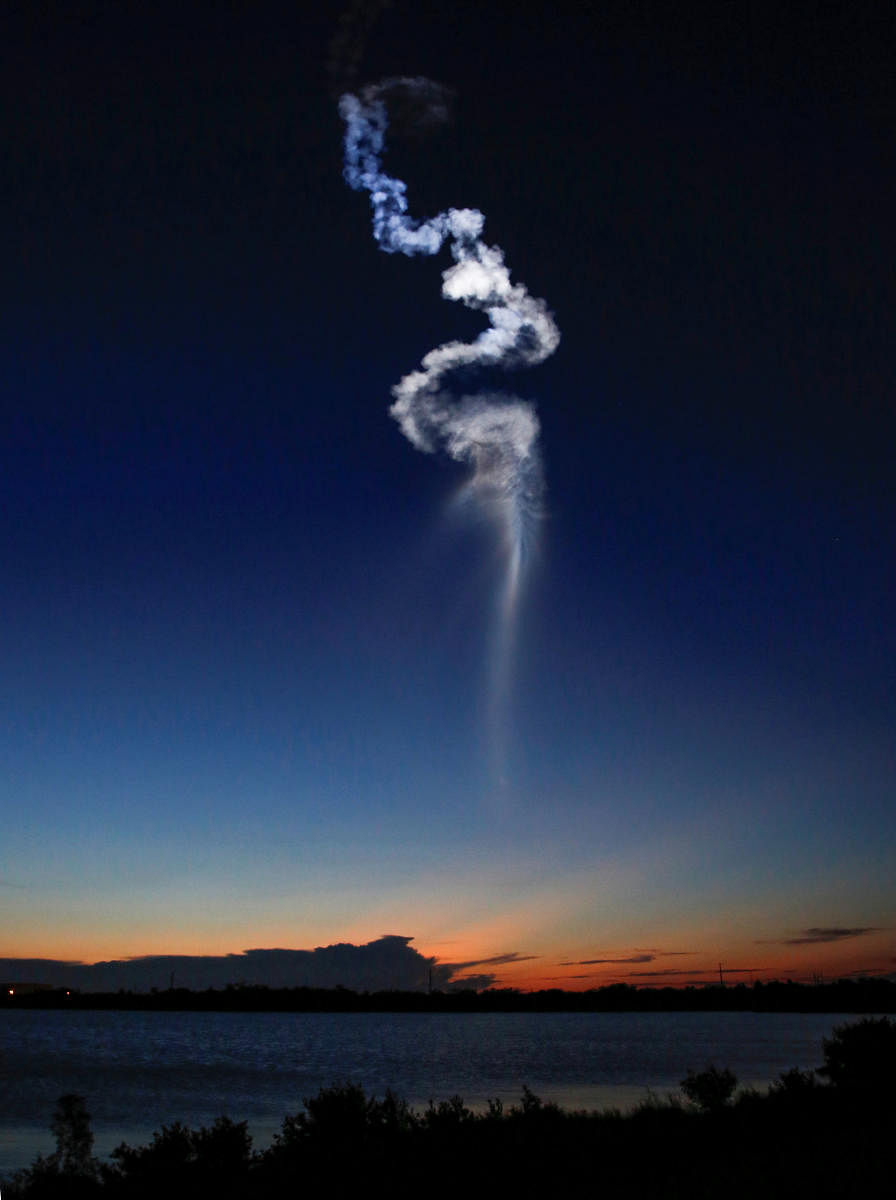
[721,980]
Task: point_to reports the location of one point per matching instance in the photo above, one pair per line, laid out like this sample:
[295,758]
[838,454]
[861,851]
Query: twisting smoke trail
[496,434]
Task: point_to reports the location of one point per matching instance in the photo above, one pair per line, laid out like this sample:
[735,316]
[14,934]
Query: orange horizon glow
[537,969]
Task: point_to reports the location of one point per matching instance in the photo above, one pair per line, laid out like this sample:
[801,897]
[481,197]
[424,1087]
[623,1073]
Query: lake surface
[139,1071]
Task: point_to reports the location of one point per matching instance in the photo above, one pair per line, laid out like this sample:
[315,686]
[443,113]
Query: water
[139,1071]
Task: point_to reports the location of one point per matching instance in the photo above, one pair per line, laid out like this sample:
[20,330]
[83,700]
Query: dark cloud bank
[389,962]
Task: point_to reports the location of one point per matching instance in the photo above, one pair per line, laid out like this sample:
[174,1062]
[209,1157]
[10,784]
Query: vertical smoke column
[495,434]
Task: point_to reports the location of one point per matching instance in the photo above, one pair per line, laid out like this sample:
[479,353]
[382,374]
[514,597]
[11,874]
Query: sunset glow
[336,612]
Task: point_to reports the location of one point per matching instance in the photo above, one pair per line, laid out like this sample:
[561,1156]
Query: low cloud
[389,962]
[591,962]
[818,936]
[494,961]
[663,953]
[447,975]
[641,954]
[659,974]
[692,971]
[475,983]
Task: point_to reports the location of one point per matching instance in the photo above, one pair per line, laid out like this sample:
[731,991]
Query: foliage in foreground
[801,1137]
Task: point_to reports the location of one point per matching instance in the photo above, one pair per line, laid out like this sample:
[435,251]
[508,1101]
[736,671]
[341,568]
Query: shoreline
[859,997]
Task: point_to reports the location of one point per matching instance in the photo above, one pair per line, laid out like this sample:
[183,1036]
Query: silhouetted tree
[71,1170]
[74,1137]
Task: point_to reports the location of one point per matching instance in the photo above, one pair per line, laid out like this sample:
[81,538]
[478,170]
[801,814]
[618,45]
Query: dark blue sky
[246,641]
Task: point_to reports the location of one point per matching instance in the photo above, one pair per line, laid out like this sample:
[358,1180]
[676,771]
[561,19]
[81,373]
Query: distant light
[68,993]
[12,991]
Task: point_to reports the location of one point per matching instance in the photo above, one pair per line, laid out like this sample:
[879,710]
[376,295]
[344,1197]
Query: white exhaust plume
[496,434]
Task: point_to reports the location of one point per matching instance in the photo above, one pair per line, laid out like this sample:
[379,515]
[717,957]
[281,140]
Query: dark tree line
[840,996]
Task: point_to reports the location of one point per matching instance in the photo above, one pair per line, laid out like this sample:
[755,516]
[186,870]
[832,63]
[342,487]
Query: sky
[261,686]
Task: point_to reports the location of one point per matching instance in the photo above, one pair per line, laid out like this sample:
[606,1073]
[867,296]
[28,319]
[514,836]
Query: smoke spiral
[496,434]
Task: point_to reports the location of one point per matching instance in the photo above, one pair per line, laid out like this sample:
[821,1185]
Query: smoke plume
[495,434]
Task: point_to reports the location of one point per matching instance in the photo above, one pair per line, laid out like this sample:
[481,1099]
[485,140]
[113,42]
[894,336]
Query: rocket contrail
[495,433]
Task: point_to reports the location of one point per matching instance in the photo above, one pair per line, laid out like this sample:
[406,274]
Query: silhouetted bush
[181,1161]
[171,1149]
[336,1115]
[794,1083]
[861,1057]
[447,1114]
[339,1136]
[711,1089]
[532,1107]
